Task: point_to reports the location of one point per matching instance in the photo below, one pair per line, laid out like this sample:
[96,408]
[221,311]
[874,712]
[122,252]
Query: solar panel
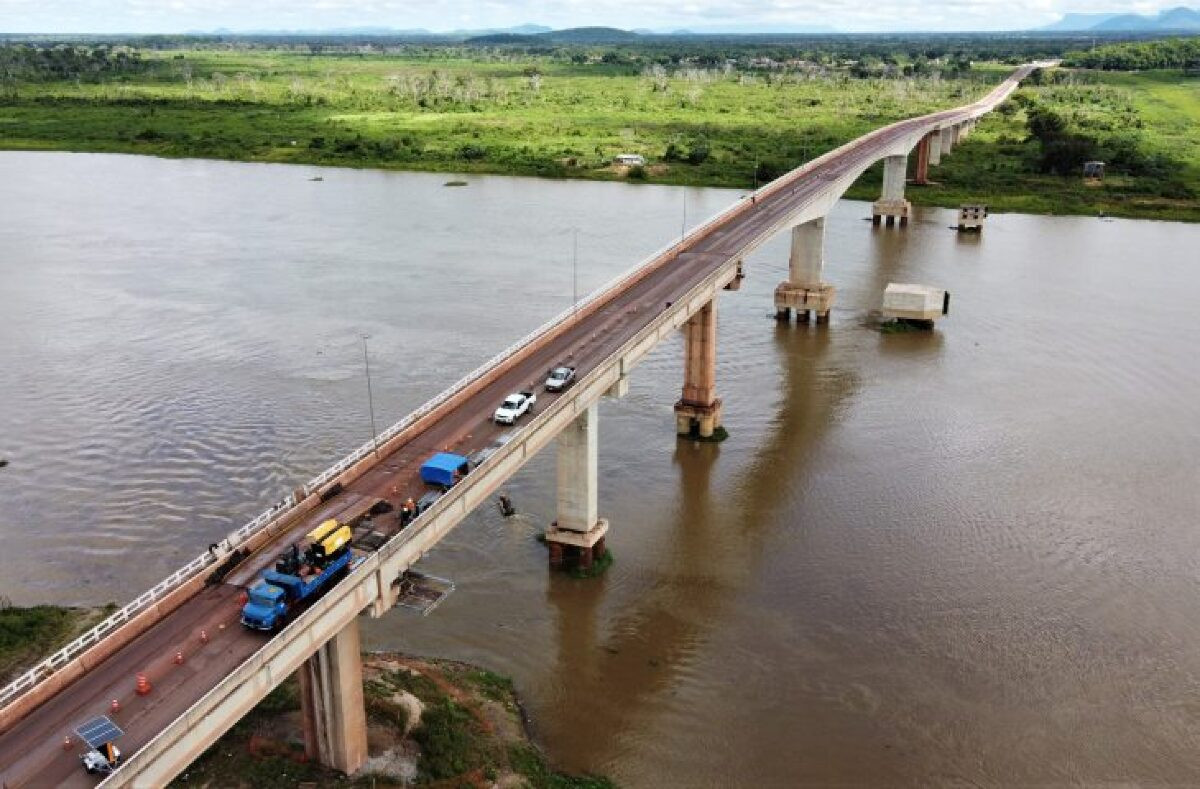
[98,731]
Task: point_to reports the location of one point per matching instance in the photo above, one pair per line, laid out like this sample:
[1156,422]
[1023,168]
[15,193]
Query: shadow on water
[712,548]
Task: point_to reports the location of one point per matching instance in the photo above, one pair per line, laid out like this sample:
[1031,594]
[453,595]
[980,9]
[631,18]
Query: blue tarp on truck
[442,467]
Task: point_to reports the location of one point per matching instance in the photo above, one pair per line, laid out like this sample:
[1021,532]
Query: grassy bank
[519,115]
[430,722]
[516,113]
[29,634]
[1143,125]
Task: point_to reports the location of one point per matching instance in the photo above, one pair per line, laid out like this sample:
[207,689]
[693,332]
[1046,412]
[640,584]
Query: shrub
[472,152]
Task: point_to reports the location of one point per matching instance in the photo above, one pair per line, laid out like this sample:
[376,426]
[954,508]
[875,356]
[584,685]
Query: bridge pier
[935,147]
[803,291]
[947,135]
[698,410]
[331,703]
[577,533]
[921,177]
[891,205]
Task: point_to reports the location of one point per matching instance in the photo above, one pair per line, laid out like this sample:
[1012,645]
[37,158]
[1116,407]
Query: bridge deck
[32,752]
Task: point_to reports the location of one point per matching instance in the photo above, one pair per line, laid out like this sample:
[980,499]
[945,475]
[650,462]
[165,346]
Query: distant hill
[1072,22]
[573,35]
[1180,19]
[590,35]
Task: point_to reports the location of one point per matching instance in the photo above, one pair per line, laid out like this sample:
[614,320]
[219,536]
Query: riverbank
[429,722]
[29,634]
[529,115]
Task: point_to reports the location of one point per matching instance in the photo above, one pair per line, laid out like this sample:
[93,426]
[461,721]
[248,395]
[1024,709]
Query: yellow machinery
[329,538]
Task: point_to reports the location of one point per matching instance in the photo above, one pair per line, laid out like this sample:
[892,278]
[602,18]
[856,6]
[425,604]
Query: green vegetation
[1028,156]
[600,565]
[29,634]
[474,111]
[721,113]
[469,734]
[1180,53]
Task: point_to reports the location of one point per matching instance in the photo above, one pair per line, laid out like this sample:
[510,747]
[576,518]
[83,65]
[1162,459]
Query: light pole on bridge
[370,397]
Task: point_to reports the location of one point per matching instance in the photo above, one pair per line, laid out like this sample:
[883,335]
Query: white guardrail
[236,539]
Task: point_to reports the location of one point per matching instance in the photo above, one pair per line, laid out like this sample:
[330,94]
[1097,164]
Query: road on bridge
[32,753]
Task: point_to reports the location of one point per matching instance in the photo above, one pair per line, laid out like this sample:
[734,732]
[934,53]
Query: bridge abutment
[891,207]
[698,411]
[331,703]
[804,292]
[577,535]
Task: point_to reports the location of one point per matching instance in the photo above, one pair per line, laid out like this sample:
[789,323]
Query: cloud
[166,16]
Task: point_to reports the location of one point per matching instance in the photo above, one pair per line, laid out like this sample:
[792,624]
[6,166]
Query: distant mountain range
[1180,19]
[527,33]
[391,32]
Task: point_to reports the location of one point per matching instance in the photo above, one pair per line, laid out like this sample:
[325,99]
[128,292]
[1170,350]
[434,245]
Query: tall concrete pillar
[803,291]
[699,408]
[922,175]
[891,205]
[947,135]
[577,532]
[331,703]
[935,147]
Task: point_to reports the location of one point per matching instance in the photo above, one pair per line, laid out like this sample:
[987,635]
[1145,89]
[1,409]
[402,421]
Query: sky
[175,16]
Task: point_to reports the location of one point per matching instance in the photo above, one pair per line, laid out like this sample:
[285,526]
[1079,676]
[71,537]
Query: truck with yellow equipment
[300,574]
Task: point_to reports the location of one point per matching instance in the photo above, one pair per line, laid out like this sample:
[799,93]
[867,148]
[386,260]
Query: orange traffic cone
[179,658]
[115,706]
[143,685]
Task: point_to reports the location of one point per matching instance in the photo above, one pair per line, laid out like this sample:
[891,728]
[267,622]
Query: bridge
[203,671]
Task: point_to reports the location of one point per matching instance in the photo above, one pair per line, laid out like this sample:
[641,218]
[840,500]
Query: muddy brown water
[965,556]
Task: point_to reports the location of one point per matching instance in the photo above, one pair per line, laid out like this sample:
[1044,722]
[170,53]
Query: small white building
[630,159]
[915,302]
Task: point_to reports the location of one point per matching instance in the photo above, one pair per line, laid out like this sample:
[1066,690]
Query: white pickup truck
[514,407]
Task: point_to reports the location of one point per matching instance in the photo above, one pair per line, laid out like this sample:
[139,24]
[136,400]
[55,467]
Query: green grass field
[546,116]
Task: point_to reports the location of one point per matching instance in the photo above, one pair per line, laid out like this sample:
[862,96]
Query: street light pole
[370,397]
[575,274]
[683,224]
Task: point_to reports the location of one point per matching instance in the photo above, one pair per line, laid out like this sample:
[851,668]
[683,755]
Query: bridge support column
[804,292]
[921,177]
[577,534]
[947,135]
[891,205]
[698,411]
[331,703]
[935,147]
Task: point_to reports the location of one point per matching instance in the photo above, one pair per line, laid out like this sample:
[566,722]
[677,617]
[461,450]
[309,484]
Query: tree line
[1172,53]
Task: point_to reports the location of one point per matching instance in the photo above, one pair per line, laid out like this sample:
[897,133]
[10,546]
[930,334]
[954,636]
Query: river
[964,556]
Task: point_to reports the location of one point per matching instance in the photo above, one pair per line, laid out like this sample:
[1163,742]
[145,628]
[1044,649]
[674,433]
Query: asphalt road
[32,752]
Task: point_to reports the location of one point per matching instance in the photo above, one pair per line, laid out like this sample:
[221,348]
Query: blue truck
[298,576]
[444,469]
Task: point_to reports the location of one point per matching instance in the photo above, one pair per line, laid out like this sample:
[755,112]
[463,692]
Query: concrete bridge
[205,671]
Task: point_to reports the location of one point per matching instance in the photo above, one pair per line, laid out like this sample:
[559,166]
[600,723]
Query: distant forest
[1181,53]
[636,51]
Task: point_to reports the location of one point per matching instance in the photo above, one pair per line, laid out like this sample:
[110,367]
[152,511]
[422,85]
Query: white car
[560,378]
[514,407]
